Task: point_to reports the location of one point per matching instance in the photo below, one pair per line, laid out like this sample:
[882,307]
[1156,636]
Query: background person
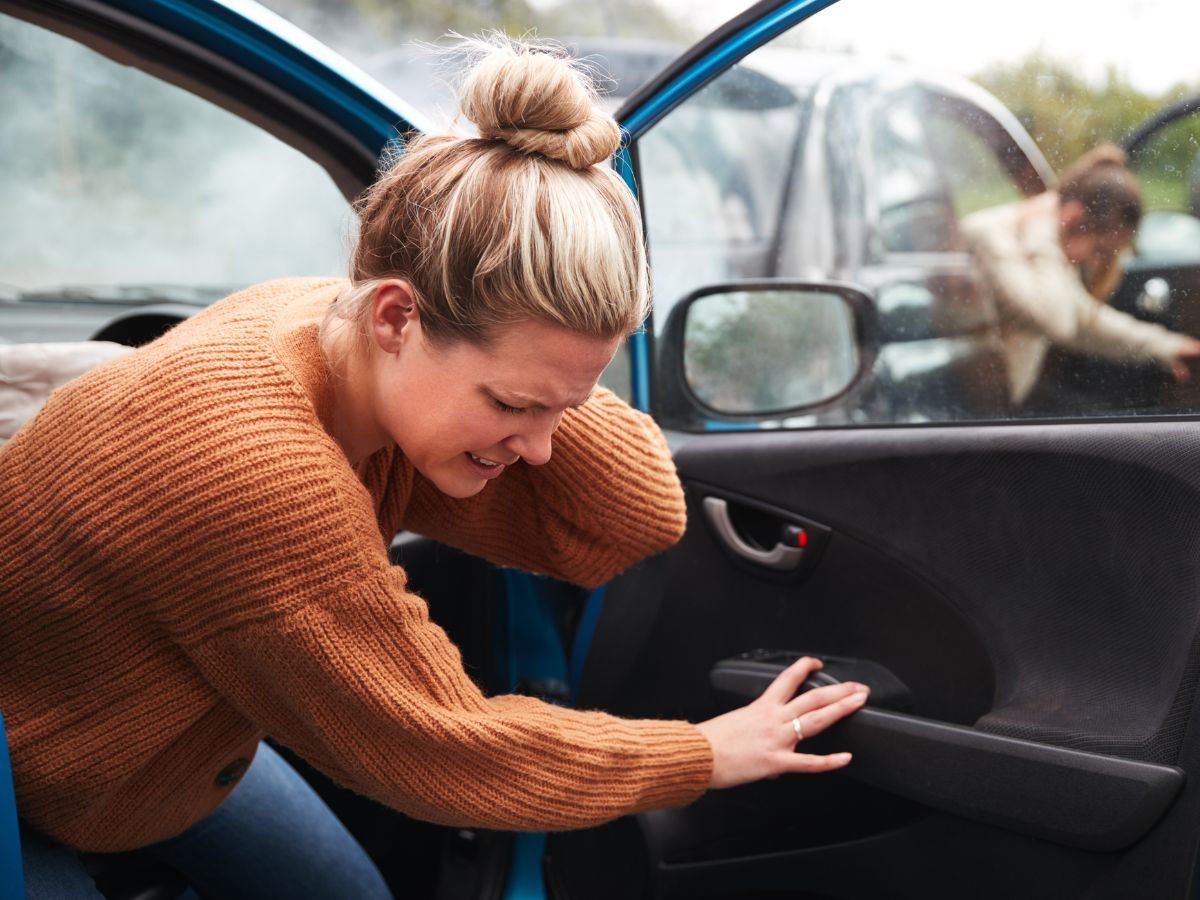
[1048,263]
[196,547]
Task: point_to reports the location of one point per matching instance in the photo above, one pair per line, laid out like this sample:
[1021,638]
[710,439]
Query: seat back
[29,373]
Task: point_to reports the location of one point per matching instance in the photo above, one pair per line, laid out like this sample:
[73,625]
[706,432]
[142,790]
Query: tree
[1064,112]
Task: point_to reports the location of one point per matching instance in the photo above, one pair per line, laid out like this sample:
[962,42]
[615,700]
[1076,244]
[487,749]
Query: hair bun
[537,102]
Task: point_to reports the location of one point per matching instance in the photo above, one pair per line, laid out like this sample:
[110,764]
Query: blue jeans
[272,838]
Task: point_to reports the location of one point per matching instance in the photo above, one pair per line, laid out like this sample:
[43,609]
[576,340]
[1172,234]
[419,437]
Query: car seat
[29,373]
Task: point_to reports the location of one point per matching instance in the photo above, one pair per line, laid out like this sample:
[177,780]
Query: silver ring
[798,728]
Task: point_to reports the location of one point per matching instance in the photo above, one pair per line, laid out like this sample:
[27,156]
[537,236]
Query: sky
[1155,43]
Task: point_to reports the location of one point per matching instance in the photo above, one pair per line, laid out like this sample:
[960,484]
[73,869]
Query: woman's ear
[1073,217]
[394,314]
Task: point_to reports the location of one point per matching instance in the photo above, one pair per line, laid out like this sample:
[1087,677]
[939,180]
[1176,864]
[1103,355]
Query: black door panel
[1070,550]
[1036,583]
[710,610]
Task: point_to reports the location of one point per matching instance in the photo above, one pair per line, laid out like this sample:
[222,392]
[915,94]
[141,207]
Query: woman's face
[462,414]
[1090,249]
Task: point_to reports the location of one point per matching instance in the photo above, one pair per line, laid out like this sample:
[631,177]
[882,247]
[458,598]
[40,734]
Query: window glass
[124,193]
[916,211]
[923,171]
[1167,163]
[971,166]
[713,178]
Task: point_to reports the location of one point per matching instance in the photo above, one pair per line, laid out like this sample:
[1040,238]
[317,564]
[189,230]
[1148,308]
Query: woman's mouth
[486,468]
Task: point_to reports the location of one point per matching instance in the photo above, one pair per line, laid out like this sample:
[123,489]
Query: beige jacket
[1040,299]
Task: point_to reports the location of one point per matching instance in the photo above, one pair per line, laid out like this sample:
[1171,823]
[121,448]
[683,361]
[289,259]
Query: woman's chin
[459,486]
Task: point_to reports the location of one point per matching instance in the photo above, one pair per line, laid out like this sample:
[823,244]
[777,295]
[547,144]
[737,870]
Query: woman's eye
[504,407]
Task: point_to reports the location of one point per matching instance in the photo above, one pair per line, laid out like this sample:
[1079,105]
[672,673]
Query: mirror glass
[758,351]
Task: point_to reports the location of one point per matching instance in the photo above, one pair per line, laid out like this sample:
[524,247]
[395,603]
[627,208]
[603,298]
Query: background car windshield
[626,42]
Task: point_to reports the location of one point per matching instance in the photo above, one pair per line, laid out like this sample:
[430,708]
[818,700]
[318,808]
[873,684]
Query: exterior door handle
[1155,297]
[780,558]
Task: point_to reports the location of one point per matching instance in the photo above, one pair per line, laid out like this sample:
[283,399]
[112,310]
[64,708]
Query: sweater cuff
[681,772]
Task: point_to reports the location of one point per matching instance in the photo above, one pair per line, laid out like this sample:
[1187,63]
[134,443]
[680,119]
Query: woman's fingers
[809,763]
[818,697]
[817,720]
[787,682]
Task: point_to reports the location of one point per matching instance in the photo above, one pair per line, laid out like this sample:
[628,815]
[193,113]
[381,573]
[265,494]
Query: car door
[159,155]
[1021,594]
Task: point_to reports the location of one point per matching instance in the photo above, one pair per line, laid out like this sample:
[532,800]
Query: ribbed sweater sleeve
[370,692]
[608,497]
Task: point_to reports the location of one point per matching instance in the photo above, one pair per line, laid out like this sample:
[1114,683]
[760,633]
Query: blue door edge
[530,651]
[12,882]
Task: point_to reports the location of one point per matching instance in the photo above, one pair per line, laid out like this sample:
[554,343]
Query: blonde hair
[521,222]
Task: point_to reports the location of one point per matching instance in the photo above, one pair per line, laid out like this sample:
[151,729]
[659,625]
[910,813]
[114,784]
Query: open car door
[157,156]
[1021,595]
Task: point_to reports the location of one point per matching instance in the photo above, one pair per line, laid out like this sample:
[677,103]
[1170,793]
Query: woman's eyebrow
[516,398]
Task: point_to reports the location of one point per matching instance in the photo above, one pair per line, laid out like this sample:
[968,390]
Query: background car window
[1167,163]
[902,177]
[916,211]
[713,177]
[122,192]
[969,150]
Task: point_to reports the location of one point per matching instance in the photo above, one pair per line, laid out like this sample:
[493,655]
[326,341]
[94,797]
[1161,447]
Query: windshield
[625,42]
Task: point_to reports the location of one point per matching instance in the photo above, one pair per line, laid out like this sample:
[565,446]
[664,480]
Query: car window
[714,177]
[969,149]
[916,209]
[1167,163]
[125,195]
[924,174]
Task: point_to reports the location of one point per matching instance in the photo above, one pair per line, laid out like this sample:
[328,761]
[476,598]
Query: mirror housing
[736,353]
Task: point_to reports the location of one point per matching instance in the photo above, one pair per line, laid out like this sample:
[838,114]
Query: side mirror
[749,350]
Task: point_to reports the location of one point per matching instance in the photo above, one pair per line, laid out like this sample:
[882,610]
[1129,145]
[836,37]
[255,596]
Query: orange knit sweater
[190,563]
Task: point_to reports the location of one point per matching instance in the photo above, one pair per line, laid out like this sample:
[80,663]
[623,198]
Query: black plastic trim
[1134,140]
[1085,800]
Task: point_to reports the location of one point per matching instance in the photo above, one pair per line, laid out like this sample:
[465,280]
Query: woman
[1049,263]
[198,539]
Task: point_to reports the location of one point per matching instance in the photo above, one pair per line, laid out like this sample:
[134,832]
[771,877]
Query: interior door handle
[780,558]
[1071,797]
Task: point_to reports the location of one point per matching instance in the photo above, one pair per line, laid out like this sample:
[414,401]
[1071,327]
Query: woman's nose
[532,443]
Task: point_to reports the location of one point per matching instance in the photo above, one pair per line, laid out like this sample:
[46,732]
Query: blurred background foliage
[1067,114]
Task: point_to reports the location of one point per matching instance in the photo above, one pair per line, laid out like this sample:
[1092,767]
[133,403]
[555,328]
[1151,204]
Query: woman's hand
[759,740]
[1180,370]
